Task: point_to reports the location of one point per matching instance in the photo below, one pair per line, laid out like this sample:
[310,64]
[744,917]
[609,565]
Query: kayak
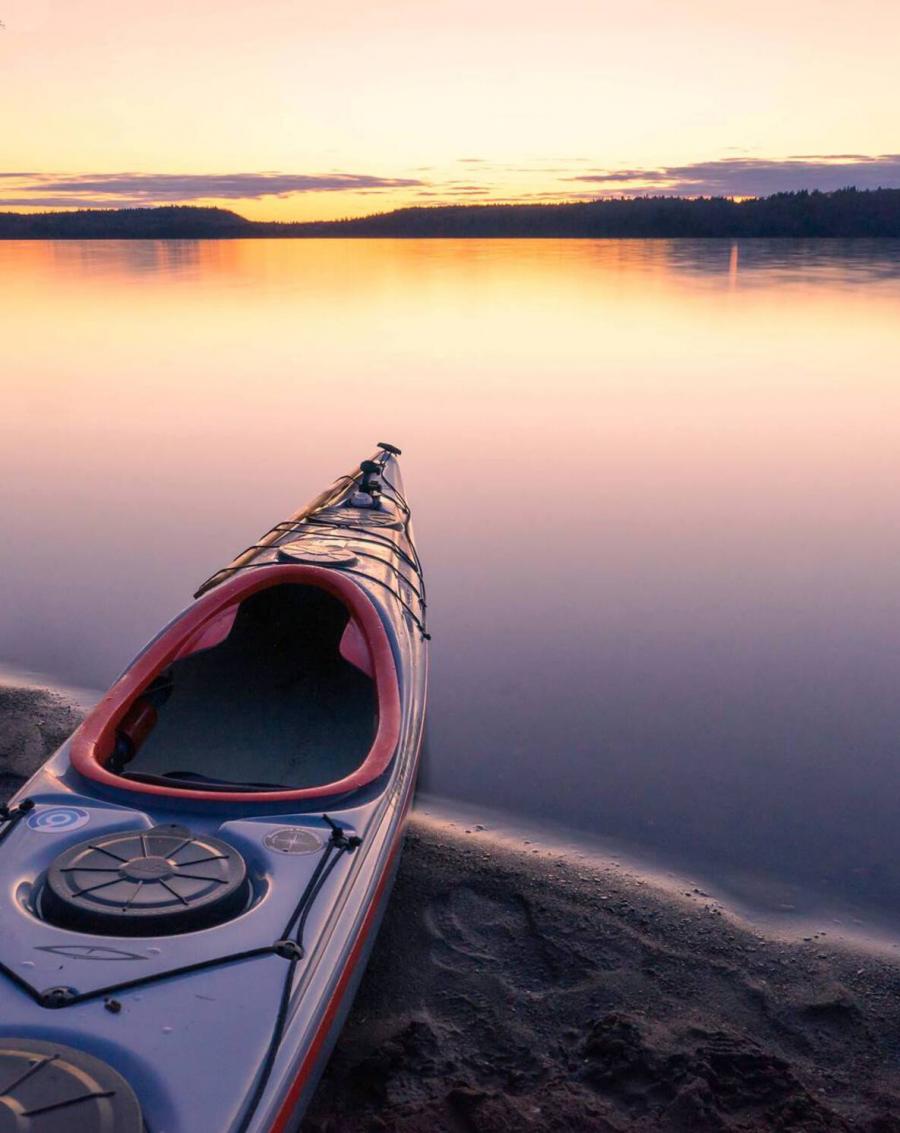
[192,884]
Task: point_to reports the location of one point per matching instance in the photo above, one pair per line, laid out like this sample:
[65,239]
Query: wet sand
[33,723]
[511,992]
[518,991]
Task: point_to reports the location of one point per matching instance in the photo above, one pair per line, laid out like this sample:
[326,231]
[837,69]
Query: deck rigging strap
[56,998]
[289,947]
[312,521]
[313,518]
[338,531]
[338,490]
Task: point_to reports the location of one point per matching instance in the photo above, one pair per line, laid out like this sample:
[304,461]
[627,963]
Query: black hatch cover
[50,1088]
[145,883]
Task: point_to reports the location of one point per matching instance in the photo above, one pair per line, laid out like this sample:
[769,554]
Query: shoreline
[522,984]
[770,915]
[774,907]
[82,698]
[840,213]
[890,240]
[510,992]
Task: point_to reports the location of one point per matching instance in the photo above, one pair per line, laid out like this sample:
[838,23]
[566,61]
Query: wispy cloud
[474,179]
[120,190]
[751,176]
[67,202]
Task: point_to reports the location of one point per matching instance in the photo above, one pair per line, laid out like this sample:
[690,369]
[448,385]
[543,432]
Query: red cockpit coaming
[93,743]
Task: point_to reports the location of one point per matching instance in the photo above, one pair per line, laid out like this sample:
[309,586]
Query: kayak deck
[203,935]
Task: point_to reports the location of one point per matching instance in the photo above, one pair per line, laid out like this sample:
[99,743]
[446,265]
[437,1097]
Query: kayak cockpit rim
[204,625]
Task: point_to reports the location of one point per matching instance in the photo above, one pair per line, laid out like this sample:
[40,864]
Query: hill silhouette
[845,213]
[168,222]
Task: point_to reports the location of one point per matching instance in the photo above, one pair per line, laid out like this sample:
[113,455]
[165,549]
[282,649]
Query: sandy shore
[518,991]
[509,993]
[33,723]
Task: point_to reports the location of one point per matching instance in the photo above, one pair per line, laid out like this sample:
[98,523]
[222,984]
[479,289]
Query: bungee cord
[356,532]
[289,947]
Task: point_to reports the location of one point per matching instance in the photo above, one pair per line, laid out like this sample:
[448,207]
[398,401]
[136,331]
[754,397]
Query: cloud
[831,157]
[753,176]
[66,202]
[479,180]
[124,190]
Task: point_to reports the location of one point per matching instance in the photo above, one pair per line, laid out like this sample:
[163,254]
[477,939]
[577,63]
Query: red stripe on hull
[308,1064]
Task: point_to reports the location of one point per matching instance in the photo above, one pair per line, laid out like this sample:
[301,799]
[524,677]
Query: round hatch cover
[50,1088]
[145,883]
[316,554]
[357,517]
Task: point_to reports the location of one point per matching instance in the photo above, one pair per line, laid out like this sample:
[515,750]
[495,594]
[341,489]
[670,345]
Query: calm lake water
[654,485]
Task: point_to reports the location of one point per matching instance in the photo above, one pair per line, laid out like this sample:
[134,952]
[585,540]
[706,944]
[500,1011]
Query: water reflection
[654,486]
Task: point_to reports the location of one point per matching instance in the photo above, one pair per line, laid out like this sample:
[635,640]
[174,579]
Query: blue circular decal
[56,819]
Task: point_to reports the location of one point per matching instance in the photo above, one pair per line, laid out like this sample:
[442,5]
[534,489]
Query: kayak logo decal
[293,840]
[89,952]
[55,819]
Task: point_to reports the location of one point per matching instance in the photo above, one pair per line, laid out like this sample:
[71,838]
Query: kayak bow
[192,884]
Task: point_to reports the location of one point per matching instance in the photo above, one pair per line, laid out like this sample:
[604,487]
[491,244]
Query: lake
[654,486]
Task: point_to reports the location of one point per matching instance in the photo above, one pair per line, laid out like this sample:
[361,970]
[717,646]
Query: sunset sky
[283,109]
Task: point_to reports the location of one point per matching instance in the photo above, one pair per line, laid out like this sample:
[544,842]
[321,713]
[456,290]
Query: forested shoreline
[845,213]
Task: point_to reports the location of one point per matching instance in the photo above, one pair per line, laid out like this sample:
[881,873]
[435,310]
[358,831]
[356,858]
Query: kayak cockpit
[275,703]
[280,683]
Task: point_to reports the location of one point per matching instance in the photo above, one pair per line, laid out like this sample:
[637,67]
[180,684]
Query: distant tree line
[845,213]
[166,222]
[848,212]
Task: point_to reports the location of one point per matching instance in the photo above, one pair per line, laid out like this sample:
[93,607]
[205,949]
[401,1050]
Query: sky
[300,110]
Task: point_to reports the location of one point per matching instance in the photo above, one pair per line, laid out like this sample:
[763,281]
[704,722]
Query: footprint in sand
[473,932]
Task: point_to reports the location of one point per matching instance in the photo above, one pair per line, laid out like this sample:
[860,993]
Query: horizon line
[563,201]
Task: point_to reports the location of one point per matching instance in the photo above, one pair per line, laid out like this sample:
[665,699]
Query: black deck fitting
[288,949]
[341,838]
[57,996]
